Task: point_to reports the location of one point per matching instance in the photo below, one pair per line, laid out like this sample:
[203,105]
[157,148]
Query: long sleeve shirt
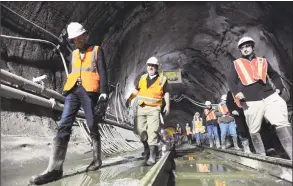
[256,91]
[101,67]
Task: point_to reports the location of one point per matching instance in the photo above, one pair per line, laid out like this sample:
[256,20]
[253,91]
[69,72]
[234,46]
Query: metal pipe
[42,41]
[29,85]
[14,93]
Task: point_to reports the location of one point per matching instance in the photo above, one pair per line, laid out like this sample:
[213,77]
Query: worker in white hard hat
[248,81]
[210,121]
[86,86]
[151,89]
[188,133]
[226,122]
[197,128]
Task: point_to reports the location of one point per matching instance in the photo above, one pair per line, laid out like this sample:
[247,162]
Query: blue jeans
[213,129]
[225,127]
[197,137]
[77,98]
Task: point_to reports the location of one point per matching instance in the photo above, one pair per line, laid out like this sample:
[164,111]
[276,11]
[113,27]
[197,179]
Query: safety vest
[197,126]
[188,131]
[210,114]
[250,72]
[153,95]
[223,109]
[86,69]
[203,167]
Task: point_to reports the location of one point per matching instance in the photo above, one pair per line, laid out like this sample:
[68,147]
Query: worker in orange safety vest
[151,89]
[85,86]
[248,81]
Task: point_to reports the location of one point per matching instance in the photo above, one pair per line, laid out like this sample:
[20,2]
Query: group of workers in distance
[254,96]
[86,87]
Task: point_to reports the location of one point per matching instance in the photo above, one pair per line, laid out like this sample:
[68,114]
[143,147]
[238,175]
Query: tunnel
[196,40]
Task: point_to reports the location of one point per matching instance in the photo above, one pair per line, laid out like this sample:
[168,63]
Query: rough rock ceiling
[197,37]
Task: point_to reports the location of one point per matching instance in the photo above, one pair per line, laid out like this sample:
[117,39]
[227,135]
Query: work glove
[100,109]
[235,113]
[240,96]
[103,95]
[127,104]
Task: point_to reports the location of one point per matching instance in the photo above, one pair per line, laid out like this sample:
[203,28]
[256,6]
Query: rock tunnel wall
[198,37]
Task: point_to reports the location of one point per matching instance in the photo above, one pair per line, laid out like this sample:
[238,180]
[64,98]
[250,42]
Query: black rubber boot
[258,144]
[54,170]
[152,159]
[97,154]
[146,152]
[285,137]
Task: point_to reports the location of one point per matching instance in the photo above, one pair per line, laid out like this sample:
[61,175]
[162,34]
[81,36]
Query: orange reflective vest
[153,95]
[250,72]
[197,126]
[210,114]
[223,109]
[85,69]
[188,131]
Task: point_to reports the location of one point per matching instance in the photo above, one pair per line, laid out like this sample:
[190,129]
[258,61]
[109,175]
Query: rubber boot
[54,170]
[258,144]
[235,143]
[245,144]
[97,154]
[224,144]
[218,145]
[285,137]
[146,152]
[152,159]
[211,142]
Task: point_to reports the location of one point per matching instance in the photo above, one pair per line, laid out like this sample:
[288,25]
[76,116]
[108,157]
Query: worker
[178,133]
[188,133]
[197,128]
[226,122]
[241,125]
[210,121]
[85,86]
[151,89]
[248,81]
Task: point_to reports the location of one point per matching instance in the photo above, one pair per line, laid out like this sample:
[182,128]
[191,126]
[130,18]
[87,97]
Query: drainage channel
[211,167]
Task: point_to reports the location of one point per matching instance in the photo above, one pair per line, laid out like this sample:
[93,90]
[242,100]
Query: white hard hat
[152,60]
[208,103]
[244,40]
[74,30]
[224,97]
[187,124]
[197,113]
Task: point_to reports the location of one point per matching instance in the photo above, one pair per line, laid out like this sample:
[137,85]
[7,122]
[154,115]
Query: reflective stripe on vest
[223,109]
[178,129]
[210,114]
[188,130]
[250,72]
[84,68]
[151,96]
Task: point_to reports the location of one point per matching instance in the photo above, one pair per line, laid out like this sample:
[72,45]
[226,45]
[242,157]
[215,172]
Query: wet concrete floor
[204,169]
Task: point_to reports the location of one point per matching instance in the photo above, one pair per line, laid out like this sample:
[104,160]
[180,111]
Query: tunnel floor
[194,166]
[205,169]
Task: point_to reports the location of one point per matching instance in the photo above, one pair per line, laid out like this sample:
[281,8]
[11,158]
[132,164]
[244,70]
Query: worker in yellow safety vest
[248,81]
[197,128]
[188,133]
[150,91]
[85,86]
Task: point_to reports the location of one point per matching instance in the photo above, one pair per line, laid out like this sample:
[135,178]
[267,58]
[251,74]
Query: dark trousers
[77,98]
